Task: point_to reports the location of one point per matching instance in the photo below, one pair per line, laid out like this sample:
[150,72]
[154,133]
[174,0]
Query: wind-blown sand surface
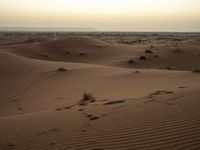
[99,92]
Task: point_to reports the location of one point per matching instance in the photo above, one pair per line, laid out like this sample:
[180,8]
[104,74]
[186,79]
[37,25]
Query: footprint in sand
[89,116]
[52,143]
[57,99]
[8,146]
[114,102]
[92,117]
[155,97]
[32,84]
[183,87]
[63,108]
[48,131]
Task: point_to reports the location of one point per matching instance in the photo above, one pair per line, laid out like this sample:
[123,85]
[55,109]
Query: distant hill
[62,29]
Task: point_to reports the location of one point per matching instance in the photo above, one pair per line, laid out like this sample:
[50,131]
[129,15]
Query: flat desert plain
[99,91]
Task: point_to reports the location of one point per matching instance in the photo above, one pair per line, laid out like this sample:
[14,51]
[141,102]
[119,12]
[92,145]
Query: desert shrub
[82,54]
[87,98]
[168,68]
[61,69]
[67,52]
[142,58]
[196,71]
[148,52]
[156,56]
[44,55]
[177,51]
[137,71]
[131,61]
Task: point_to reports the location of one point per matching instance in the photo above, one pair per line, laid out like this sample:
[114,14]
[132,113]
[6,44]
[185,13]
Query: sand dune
[99,92]
[93,51]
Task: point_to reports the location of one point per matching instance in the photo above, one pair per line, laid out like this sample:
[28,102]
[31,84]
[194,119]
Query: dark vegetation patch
[196,71]
[82,54]
[89,116]
[61,69]
[67,52]
[156,56]
[148,51]
[142,58]
[177,50]
[136,71]
[166,68]
[44,55]
[131,61]
[86,99]
[183,87]
[59,109]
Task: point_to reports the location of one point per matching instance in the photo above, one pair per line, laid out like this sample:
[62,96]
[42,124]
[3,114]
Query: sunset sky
[108,15]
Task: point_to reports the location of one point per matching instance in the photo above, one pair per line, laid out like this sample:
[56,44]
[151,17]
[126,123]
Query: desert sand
[99,91]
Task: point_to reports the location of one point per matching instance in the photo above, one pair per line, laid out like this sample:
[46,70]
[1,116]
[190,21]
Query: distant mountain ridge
[43,29]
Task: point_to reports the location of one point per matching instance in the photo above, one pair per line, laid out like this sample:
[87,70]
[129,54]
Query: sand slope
[150,103]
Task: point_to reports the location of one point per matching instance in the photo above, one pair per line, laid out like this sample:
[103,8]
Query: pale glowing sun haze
[119,15]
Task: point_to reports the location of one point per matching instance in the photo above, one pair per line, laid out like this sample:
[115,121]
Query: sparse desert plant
[148,52]
[156,56]
[61,69]
[67,52]
[131,61]
[142,58]
[44,55]
[196,70]
[152,46]
[82,54]
[177,50]
[58,109]
[168,68]
[137,71]
[87,98]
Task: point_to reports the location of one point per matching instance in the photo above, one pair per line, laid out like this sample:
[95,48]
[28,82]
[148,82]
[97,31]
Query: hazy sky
[135,15]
